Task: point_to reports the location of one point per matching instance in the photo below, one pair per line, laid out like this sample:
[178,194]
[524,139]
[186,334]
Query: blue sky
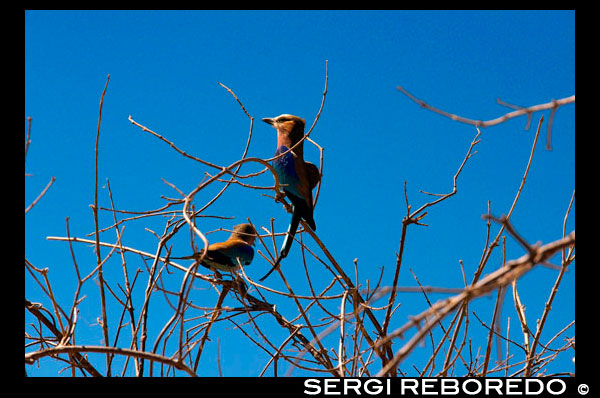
[164,68]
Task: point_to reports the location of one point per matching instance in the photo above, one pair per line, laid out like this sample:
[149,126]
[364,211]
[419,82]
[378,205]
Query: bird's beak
[268,120]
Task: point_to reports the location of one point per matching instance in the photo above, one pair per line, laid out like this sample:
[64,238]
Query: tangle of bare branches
[332,325]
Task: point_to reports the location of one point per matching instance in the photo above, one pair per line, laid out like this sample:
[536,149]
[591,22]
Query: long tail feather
[289,237]
[287,243]
[273,268]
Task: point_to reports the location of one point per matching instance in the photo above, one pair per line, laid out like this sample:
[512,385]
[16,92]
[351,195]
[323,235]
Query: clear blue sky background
[164,68]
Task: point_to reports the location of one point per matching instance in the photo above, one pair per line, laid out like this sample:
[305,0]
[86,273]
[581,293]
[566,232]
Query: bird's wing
[303,209]
[303,204]
[219,260]
[313,175]
[303,186]
[232,249]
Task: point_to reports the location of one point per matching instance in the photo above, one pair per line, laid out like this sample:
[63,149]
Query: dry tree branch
[182,295]
[495,315]
[142,324]
[553,105]
[357,296]
[520,309]
[513,270]
[342,335]
[355,348]
[28,139]
[512,106]
[33,356]
[98,256]
[488,253]
[548,305]
[79,360]
[278,352]
[181,152]
[222,170]
[414,218]
[358,309]
[448,361]
[322,356]
[128,287]
[293,329]
[490,247]
[128,249]
[212,320]
[243,154]
[52,179]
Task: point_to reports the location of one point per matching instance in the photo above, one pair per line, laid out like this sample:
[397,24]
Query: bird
[228,255]
[297,177]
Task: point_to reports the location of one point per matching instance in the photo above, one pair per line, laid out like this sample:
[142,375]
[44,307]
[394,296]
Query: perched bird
[227,256]
[297,177]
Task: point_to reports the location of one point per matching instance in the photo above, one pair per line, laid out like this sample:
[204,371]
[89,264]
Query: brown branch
[321,353]
[495,315]
[128,288]
[172,145]
[52,179]
[98,256]
[28,139]
[341,355]
[243,154]
[480,123]
[553,105]
[213,319]
[33,356]
[278,352]
[548,305]
[414,218]
[494,243]
[79,360]
[513,270]
[350,286]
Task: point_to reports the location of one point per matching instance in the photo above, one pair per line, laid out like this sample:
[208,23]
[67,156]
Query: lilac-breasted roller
[297,177]
[227,256]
